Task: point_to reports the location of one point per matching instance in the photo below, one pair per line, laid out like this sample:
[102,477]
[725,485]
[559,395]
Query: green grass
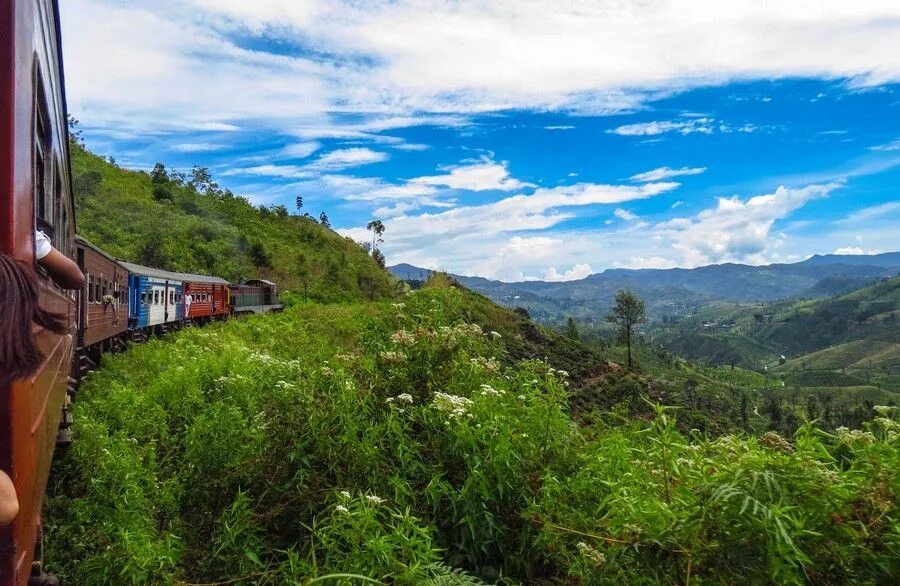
[409,442]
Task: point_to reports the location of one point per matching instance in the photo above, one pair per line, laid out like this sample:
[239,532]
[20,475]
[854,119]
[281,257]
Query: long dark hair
[19,309]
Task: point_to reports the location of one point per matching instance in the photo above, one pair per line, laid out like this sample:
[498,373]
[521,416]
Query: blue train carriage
[155,298]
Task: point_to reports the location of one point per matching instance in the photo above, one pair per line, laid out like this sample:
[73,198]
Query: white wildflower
[495,335]
[345,494]
[405,398]
[375,500]
[341,509]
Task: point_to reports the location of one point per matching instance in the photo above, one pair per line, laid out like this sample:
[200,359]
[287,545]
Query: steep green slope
[402,442]
[193,226]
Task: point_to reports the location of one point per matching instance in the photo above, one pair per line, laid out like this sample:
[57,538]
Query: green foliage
[186,222]
[420,442]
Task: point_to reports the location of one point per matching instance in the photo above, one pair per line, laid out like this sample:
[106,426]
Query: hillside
[432,440]
[677,293]
[189,224]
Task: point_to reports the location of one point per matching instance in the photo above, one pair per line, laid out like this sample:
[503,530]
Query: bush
[403,443]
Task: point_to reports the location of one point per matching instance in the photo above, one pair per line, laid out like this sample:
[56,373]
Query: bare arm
[9,503]
[62,270]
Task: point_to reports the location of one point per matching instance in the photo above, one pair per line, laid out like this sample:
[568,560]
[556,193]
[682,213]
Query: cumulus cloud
[661,173]
[736,230]
[578,271]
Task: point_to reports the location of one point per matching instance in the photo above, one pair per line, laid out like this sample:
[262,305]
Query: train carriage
[34,193]
[254,296]
[103,303]
[205,298]
[155,297]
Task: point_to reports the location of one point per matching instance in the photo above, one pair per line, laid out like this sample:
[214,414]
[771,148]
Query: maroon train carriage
[205,298]
[103,303]
[34,192]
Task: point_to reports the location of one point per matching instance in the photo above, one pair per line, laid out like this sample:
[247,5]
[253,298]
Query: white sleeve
[42,246]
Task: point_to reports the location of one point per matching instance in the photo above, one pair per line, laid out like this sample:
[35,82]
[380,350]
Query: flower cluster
[454,406]
[403,338]
[775,442]
[855,436]
[391,357]
[401,398]
[490,365]
[488,390]
[594,557]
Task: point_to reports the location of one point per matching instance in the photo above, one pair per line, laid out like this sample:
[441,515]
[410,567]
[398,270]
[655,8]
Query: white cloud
[878,212]
[689,126]
[736,230]
[578,271]
[391,61]
[666,173]
[891,146]
[197,147]
[329,162]
[625,215]
[481,176]
[856,250]
[300,150]
[407,146]
[559,127]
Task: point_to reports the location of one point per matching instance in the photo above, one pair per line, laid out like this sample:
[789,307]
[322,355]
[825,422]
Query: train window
[171,297]
[90,287]
[143,298]
[156,297]
[44,198]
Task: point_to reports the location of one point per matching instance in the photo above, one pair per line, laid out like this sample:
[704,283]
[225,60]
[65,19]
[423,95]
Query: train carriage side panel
[104,300]
[34,192]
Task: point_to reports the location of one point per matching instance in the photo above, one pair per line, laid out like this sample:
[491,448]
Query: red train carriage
[34,192]
[205,298]
[103,303]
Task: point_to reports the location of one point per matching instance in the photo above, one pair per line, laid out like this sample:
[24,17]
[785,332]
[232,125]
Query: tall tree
[323,219]
[377,229]
[628,312]
[299,203]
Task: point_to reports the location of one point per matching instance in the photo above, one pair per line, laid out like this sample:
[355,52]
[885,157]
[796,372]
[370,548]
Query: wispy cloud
[891,146]
[328,163]
[661,173]
[482,175]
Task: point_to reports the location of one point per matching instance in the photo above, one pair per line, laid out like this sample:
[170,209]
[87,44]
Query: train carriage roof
[170,275]
[81,240]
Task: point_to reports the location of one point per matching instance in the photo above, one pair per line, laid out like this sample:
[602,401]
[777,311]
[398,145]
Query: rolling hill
[675,293]
[189,224]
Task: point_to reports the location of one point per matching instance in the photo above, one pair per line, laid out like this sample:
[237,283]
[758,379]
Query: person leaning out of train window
[21,315]
[62,269]
[110,301]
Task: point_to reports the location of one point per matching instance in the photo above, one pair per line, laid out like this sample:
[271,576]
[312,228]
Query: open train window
[143,298]
[156,297]
[44,196]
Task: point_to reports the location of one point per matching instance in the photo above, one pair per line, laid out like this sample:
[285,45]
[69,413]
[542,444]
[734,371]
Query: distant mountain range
[677,292]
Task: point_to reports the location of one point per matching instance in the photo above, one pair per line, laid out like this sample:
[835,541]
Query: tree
[323,219]
[571,330]
[280,211]
[299,203]
[158,175]
[201,180]
[377,228]
[628,312]
[74,134]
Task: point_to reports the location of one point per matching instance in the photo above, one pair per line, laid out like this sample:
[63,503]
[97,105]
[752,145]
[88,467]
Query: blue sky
[518,140]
